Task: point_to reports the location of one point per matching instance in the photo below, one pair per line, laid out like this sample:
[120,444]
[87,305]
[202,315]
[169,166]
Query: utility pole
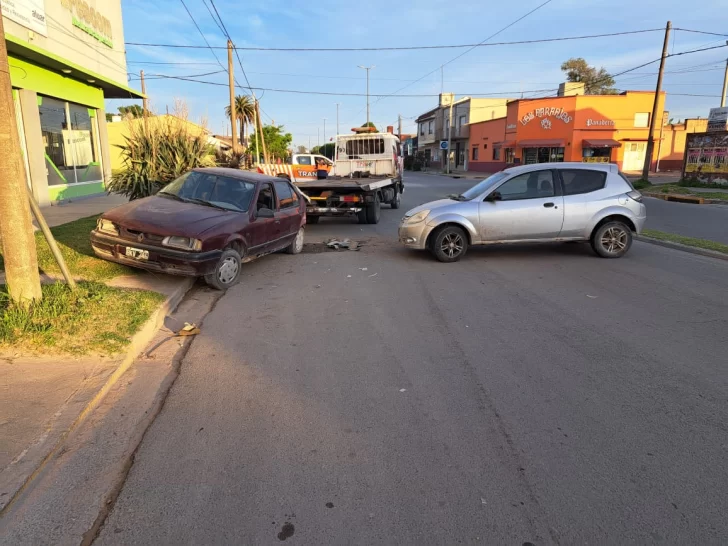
[400,134]
[231,83]
[442,78]
[145,103]
[16,228]
[309,144]
[324,131]
[318,136]
[655,105]
[367,68]
[262,136]
[337,118]
[449,134]
[725,85]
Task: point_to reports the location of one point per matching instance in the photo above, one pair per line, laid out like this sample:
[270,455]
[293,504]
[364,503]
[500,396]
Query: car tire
[612,240]
[374,211]
[397,201]
[449,244]
[227,271]
[297,245]
[312,219]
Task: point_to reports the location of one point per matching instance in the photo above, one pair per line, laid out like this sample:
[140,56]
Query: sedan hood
[167,216]
[432,205]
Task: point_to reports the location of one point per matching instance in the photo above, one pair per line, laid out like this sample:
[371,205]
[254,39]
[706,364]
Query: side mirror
[266,213]
[495,196]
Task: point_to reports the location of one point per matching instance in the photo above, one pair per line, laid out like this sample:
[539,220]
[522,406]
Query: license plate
[137,253]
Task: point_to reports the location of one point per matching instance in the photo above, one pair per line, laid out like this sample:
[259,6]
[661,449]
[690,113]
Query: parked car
[532,203]
[206,223]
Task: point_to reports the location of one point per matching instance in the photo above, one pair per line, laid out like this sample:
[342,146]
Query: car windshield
[482,187]
[212,190]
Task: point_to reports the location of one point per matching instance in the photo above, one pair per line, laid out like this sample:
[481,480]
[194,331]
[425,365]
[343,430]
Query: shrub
[156,152]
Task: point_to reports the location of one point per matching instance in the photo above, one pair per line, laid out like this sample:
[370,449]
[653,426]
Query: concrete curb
[664,197]
[684,248]
[139,342]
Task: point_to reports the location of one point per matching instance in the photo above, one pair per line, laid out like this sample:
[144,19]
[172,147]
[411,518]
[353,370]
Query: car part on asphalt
[297,245]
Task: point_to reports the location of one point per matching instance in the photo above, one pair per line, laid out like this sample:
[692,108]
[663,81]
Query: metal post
[655,105]
[725,85]
[337,118]
[324,131]
[449,134]
[367,68]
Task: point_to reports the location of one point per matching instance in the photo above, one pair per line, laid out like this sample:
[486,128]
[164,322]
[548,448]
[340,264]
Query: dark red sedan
[205,223]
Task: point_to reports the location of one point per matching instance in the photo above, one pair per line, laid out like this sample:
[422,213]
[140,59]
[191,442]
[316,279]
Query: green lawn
[689,241]
[73,240]
[680,188]
[96,319]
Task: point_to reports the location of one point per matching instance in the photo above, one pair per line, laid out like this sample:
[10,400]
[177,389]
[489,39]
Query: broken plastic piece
[189,330]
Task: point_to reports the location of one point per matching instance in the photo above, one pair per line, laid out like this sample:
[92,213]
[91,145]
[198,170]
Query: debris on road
[592,297]
[402,390]
[374,274]
[337,244]
[363,269]
[189,330]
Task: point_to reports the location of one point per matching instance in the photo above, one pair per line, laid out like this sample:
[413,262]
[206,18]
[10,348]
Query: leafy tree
[370,124]
[327,150]
[245,114]
[132,110]
[276,142]
[316,150]
[596,81]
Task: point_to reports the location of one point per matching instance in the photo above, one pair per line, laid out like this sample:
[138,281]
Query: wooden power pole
[262,136]
[145,102]
[655,106]
[16,227]
[231,83]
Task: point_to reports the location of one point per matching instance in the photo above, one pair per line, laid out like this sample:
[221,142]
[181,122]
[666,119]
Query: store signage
[718,119]
[600,122]
[29,13]
[556,113]
[90,21]
[510,126]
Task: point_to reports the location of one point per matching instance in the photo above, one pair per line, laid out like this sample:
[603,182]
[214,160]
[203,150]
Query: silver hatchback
[546,202]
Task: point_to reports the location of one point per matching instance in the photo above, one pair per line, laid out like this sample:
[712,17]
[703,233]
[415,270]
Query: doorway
[634,156]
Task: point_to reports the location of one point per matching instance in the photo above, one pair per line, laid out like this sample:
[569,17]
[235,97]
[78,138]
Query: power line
[165,76]
[411,48]
[212,50]
[170,63]
[227,34]
[702,32]
[213,18]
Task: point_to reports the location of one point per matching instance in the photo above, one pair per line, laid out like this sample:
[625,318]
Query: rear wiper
[207,203]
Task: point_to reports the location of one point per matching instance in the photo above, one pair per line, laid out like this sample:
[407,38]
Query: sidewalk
[81,208]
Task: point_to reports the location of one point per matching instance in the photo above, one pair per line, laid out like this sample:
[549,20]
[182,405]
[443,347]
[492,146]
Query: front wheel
[450,244]
[297,245]
[612,240]
[227,271]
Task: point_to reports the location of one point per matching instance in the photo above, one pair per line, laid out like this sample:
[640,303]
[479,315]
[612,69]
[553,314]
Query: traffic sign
[443,144]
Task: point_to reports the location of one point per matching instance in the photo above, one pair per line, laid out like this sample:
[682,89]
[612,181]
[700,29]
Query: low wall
[486,166]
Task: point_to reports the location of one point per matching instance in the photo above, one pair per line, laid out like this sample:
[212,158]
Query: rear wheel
[227,271]
[612,240]
[397,201]
[297,245]
[374,211]
[449,244]
[312,219]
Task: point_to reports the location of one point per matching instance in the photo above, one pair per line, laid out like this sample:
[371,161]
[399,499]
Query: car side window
[286,196]
[304,159]
[578,181]
[266,198]
[533,185]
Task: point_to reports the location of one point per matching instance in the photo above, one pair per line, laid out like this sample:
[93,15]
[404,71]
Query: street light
[367,68]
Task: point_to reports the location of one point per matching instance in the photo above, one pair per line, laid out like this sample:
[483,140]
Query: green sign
[91,32]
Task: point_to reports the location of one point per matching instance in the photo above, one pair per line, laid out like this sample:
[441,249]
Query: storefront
[585,128]
[66,57]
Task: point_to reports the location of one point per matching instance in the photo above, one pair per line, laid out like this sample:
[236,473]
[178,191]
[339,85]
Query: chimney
[390,129]
[571,89]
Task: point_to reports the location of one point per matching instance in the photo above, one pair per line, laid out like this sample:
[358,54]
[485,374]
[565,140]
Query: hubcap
[614,240]
[299,240]
[228,271]
[452,245]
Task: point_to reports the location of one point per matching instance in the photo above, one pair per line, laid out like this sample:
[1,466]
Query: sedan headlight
[185,243]
[417,218]
[107,226]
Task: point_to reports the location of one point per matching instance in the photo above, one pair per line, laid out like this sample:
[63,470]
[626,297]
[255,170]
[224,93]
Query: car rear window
[578,181]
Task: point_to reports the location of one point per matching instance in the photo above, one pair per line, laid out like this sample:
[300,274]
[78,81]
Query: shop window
[642,119]
[475,153]
[510,154]
[543,155]
[496,154]
[70,138]
[596,155]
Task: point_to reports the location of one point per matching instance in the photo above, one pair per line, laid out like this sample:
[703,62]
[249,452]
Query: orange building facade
[585,128]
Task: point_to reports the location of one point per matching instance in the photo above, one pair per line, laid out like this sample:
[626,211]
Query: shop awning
[541,143]
[505,144]
[601,143]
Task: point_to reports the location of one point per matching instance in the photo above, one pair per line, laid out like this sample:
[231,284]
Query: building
[576,127]
[671,147]
[66,57]
[433,128]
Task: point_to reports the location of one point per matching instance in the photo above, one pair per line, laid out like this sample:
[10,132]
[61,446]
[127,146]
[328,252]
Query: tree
[132,110]
[370,124]
[301,150]
[328,150]
[276,141]
[596,81]
[245,113]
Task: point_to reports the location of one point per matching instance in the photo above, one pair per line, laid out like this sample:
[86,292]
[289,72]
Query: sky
[503,71]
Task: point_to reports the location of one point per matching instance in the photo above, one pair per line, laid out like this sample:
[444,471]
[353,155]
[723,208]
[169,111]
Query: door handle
[548,205]
[277,221]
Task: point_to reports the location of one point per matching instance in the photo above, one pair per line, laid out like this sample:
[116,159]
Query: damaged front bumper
[415,235]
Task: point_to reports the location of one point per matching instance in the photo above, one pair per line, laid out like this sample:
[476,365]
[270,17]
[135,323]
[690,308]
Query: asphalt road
[700,221]
[531,394]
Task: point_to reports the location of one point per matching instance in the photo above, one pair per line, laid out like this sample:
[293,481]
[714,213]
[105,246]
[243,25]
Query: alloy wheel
[299,241]
[452,245]
[614,240]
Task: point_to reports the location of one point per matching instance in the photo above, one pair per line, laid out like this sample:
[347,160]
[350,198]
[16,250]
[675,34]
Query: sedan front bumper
[161,260]
[414,235]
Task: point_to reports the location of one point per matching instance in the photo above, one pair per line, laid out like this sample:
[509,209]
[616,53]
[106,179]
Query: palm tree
[244,112]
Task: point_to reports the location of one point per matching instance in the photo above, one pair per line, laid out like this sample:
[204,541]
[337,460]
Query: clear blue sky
[376,23]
